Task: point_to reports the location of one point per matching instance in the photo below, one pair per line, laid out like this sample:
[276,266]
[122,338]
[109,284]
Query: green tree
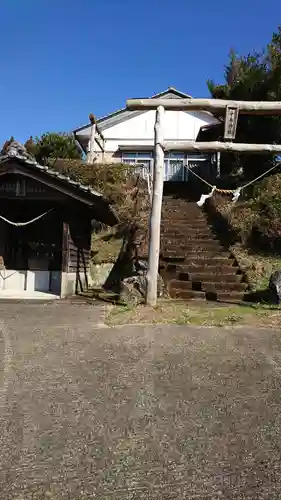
[256,77]
[51,146]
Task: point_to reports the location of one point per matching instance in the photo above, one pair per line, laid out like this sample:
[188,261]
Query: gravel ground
[144,412]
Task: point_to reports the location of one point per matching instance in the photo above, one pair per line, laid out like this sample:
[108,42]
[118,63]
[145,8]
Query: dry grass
[203,314]
[258,267]
[242,217]
[106,246]
[100,294]
[129,196]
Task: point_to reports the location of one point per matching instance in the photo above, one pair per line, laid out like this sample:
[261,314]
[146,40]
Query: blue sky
[64,59]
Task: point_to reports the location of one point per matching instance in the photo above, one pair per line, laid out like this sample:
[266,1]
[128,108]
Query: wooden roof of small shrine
[26,164]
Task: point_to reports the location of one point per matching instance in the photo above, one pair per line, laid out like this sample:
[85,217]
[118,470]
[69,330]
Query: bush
[52,145]
[115,181]
[256,220]
[130,199]
[266,232]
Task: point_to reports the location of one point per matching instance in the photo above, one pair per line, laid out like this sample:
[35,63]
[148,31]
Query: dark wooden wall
[76,250]
[22,198]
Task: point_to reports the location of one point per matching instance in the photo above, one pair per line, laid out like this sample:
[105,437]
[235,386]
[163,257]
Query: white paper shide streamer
[236,194]
[204,197]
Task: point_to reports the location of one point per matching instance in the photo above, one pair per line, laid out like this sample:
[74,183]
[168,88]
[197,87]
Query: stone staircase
[193,263]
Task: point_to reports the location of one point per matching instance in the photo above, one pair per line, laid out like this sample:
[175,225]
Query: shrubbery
[256,220]
[128,195]
[116,182]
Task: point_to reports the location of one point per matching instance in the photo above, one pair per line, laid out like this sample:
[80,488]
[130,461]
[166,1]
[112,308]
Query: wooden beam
[230,123]
[212,105]
[216,146]
[65,247]
[99,140]
[155,216]
[218,155]
[91,144]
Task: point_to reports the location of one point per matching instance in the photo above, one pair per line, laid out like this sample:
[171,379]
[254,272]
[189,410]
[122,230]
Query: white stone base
[38,281]
[12,280]
[29,283]
[69,283]
[25,295]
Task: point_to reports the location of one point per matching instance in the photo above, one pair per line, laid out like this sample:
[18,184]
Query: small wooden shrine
[45,227]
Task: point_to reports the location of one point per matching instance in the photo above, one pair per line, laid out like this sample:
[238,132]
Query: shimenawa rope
[235,192]
[20,224]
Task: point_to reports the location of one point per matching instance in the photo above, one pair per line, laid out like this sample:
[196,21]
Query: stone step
[187,235]
[175,212]
[191,250]
[185,211]
[206,259]
[183,214]
[206,242]
[194,248]
[199,257]
[191,247]
[180,204]
[184,208]
[183,217]
[187,294]
[196,238]
[183,285]
[192,260]
[187,229]
[192,229]
[184,221]
[211,277]
[167,256]
[183,225]
[182,240]
[172,258]
[177,232]
[223,297]
[188,226]
[223,286]
[208,286]
[232,297]
[219,268]
[170,200]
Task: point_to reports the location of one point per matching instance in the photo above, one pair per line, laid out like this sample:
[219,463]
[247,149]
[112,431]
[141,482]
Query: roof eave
[87,191]
[122,110]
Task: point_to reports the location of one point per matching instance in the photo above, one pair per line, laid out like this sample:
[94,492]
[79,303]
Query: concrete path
[167,412]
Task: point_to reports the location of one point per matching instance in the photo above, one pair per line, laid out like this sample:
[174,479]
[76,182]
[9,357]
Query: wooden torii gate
[231,110]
